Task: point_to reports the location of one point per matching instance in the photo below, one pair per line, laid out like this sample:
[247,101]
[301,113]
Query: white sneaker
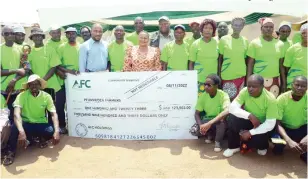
[217,147]
[262,152]
[208,140]
[230,152]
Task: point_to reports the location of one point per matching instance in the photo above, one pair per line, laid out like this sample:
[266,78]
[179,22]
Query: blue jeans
[44,130]
[60,105]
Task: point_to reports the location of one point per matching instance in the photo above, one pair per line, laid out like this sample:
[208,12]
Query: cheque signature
[166,125]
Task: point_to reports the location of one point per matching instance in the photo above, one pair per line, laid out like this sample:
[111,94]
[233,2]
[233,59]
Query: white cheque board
[132,105]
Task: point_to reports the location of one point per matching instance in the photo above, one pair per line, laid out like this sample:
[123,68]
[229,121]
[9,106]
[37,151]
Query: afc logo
[82,84]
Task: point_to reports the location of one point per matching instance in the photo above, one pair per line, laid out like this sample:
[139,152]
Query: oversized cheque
[132,105]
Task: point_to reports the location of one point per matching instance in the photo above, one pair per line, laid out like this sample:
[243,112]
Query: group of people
[224,63]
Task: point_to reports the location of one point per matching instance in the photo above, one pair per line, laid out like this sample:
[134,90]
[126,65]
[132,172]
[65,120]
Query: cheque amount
[174,107]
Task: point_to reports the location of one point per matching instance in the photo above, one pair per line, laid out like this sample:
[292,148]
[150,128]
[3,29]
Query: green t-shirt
[286,45]
[293,114]
[266,55]
[175,55]
[234,54]
[133,38]
[263,107]
[20,46]
[10,60]
[53,44]
[213,106]
[116,54]
[42,60]
[296,59]
[33,109]
[297,38]
[69,57]
[190,41]
[205,56]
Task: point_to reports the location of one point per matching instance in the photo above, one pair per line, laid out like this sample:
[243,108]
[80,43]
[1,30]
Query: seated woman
[215,103]
[253,123]
[292,121]
[142,57]
[30,118]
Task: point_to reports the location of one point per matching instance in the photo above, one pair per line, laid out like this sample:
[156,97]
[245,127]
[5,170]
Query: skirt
[272,85]
[233,87]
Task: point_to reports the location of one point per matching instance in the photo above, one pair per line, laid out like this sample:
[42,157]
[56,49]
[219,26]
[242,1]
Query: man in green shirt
[30,118]
[222,30]
[11,72]
[195,29]
[44,61]
[69,55]
[175,54]
[139,26]
[117,49]
[254,123]
[55,40]
[214,103]
[20,34]
[292,121]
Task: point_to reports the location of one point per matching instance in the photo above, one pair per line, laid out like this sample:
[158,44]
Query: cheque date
[176,85]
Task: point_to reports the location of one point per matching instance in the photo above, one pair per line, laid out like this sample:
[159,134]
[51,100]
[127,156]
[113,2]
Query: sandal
[9,158]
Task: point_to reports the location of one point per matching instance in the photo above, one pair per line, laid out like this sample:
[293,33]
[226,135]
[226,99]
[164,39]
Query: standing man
[195,29]
[117,48]
[11,73]
[44,61]
[85,32]
[175,54]
[68,53]
[20,34]
[55,40]
[222,30]
[93,54]
[164,35]
[139,26]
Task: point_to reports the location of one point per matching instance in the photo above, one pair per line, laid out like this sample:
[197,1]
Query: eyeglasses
[8,33]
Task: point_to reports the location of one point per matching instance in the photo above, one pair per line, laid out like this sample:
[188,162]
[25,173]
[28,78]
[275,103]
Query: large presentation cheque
[132,105]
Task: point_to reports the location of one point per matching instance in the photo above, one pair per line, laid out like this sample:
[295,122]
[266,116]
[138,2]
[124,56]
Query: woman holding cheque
[214,103]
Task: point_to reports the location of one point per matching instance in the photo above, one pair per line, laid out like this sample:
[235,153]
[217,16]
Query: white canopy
[64,12]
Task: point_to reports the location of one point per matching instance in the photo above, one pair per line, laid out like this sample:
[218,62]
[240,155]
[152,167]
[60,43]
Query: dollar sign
[160,107]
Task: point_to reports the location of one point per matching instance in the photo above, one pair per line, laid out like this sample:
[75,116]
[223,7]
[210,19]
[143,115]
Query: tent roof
[75,11]
[224,16]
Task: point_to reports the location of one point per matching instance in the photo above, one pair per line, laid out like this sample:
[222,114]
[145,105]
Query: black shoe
[63,130]
[278,149]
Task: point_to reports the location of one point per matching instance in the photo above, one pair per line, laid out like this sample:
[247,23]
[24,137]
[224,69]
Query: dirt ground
[76,157]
